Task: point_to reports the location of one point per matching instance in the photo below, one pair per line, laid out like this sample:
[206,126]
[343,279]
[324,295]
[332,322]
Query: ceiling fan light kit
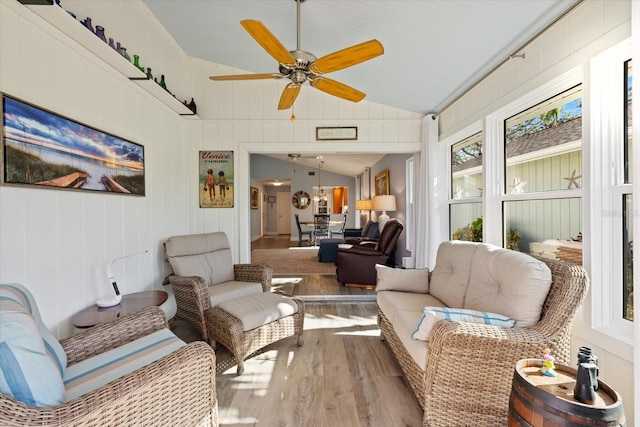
[300,66]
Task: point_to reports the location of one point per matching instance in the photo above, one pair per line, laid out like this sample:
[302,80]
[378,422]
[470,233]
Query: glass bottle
[100,33]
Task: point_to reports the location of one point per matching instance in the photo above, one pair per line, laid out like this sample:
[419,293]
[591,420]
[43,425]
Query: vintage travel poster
[216,179]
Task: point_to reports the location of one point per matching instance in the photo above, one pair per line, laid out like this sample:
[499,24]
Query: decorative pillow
[27,373]
[365,229]
[432,315]
[373,232]
[399,279]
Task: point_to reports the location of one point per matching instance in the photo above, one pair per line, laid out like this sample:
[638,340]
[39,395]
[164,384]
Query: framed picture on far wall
[45,150]
[215,184]
[382,183]
[254,198]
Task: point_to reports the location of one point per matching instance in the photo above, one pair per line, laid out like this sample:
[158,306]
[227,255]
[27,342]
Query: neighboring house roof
[562,134]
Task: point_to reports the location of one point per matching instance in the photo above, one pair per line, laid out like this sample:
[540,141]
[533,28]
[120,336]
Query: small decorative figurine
[548,367]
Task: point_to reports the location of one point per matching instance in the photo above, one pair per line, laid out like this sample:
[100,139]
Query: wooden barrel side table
[541,401]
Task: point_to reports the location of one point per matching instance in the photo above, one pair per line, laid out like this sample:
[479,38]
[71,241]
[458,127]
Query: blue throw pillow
[374,231]
[432,315]
[27,372]
[365,229]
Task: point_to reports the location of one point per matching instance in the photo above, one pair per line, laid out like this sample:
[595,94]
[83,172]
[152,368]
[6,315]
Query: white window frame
[607,183]
[448,143]
[494,171]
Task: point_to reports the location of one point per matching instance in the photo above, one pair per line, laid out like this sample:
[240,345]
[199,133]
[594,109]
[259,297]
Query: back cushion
[16,298]
[450,276]
[204,255]
[27,372]
[508,282]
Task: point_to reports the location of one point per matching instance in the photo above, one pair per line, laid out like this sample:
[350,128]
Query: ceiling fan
[300,66]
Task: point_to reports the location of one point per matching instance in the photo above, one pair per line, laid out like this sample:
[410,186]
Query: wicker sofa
[131,371]
[461,373]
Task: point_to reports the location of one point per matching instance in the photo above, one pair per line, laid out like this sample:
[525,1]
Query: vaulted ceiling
[434,50]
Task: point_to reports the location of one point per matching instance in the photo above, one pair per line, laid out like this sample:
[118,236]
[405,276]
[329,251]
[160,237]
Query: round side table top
[95,315]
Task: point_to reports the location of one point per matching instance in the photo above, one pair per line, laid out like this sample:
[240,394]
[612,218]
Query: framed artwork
[382,183]
[215,183]
[254,198]
[45,150]
[272,199]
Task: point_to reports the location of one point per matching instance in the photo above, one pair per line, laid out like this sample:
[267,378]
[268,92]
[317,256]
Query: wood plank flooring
[343,375]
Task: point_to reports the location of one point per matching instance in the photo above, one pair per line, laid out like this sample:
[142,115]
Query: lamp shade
[364,205]
[384,203]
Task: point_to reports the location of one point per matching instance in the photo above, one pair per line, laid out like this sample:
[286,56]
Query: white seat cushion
[260,309]
[232,290]
[392,301]
[404,324]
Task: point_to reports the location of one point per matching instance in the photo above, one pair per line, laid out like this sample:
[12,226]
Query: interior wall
[590,29]
[58,243]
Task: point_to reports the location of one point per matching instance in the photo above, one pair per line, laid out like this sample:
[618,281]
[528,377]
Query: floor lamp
[384,204]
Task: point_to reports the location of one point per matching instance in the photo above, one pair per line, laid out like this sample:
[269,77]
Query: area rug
[293,261]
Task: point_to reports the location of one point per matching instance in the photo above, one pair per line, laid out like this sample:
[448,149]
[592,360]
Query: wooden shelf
[64,22]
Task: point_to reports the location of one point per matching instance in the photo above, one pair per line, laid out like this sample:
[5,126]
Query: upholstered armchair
[357,263]
[130,371]
[205,276]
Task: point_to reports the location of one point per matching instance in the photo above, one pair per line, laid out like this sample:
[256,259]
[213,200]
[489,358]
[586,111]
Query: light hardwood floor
[343,375]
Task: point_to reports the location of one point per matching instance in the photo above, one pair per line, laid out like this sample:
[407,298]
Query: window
[465,209]
[543,158]
[611,204]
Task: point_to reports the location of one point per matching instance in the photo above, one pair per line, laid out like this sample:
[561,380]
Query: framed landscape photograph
[382,183]
[254,198]
[215,183]
[45,150]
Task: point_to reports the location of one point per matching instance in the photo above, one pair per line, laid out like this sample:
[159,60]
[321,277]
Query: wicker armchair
[177,389]
[204,276]
[469,367]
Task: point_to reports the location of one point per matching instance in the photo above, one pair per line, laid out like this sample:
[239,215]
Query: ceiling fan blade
[268,41]
[247,76]
[335,88]
[347,57]
[289,95]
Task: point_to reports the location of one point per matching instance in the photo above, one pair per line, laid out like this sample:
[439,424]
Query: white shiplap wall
[58,243]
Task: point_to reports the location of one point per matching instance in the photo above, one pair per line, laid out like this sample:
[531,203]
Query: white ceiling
[434,50]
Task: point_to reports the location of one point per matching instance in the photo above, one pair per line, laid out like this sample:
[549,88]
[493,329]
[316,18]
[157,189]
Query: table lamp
[384,203]
[116,298]
[364,205]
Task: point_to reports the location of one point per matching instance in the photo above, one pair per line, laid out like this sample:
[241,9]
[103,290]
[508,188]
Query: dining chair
[320,227]
[302,233]
[339,232]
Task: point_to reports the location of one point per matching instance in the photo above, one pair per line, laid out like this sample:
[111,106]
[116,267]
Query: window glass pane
[543,145]
[551,228]
[466,167]
[627,256]
[628,153]
[466,221]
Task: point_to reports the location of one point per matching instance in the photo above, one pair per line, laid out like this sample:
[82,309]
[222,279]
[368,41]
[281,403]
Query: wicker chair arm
[257,273]
[115,333]
[465,350]
[178,389]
